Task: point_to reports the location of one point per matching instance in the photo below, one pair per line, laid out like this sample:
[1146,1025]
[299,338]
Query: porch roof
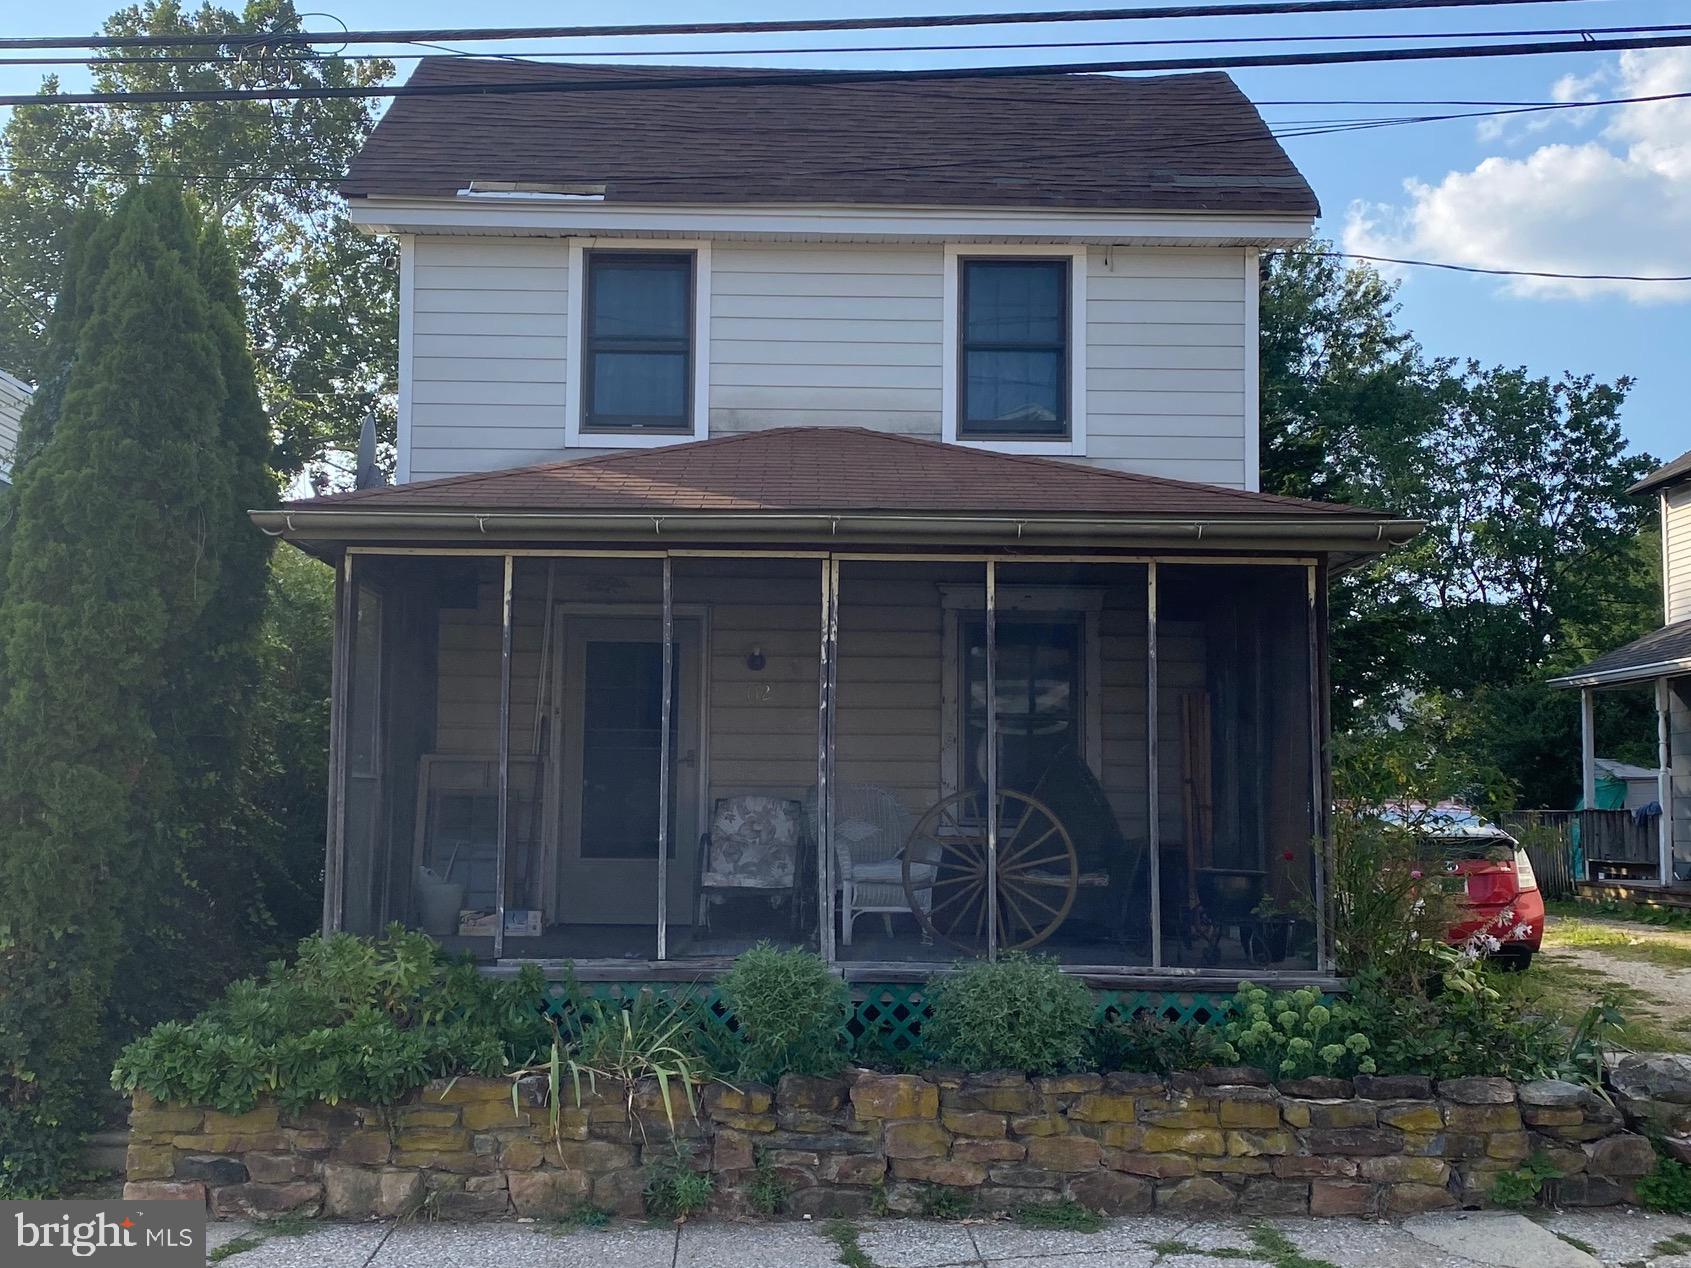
[1664,653]
[829,482]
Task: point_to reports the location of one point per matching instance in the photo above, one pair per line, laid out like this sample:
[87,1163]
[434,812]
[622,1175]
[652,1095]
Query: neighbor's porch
[645,761]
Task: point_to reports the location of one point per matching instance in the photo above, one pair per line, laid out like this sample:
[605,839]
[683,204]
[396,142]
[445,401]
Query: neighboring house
[14,397]
[827,513]
[1661,662]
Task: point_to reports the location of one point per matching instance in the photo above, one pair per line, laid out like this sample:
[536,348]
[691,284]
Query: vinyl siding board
[829,335]
[1676,537]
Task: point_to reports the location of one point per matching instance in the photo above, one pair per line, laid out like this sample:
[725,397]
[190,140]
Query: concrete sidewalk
[1614,1238]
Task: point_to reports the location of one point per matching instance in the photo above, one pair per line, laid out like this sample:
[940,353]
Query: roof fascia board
[1631,673]
[1358,536]
[394,215]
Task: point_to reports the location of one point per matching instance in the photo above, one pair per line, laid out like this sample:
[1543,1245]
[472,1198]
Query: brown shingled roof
[826,469]
[1165,142]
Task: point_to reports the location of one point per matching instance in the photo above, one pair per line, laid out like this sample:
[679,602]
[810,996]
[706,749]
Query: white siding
[1676,547]
[14,396]
[828,335]
[489,341]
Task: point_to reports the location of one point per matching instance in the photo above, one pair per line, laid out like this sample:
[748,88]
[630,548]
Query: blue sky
[1593,190]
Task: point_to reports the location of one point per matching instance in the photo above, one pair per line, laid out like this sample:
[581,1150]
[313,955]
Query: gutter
[329,523]
[1631,673]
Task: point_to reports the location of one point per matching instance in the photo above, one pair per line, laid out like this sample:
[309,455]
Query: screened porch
[642,762]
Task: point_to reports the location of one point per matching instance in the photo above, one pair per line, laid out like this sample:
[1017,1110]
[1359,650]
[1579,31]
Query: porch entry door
[611,691]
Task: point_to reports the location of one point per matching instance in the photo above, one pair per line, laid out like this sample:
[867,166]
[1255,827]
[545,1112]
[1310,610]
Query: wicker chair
[871,827]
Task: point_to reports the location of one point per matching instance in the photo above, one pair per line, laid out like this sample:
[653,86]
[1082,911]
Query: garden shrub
[675,1189]
[1020,1013]
[1292,1035]
[1148,1044]
[1667,1188]
[352,1019]
[791,1013]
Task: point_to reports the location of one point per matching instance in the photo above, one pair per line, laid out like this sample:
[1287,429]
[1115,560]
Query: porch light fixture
[755,659]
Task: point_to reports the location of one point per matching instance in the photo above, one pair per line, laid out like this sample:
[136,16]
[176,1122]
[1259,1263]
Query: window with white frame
[637,332]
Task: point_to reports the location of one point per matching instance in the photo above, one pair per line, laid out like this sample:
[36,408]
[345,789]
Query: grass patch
[1678,1244]
[236,1246]
[766,1192]
[585,1215]
[1578,1243]
[1068,1215]
[1661,916]
[1662,948]
[1268,1246]
[1563,992]
[844,1235]
[940,1203]
[290,1226]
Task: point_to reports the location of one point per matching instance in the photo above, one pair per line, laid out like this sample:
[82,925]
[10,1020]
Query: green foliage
[583,1215]
[320,297]
[123,534]
[791,1013]
[1067,1215]
[766,1191]
[939,1202]
[1020,1013]
[675,1189]
[1148,1044]
[1292,1034]
[844,1235]
[352,1020]
[1667,1188]
[1524,1185]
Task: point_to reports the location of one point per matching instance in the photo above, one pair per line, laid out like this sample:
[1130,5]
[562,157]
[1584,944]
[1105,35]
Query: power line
[839,78]
[308,57]
[465,34]
[1474,268]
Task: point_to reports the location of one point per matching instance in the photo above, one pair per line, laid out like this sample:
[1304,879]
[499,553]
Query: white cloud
[1618,203]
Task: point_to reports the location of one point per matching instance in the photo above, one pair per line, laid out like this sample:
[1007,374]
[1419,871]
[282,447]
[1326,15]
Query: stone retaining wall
[1220,1141]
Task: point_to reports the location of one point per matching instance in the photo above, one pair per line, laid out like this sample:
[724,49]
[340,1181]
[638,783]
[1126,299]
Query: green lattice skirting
[890,1016]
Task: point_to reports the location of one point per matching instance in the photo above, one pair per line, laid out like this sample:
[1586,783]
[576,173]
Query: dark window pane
[640,299]
[622,732]
[1014,392]
[1038,681]
[640,386]
[1014,301]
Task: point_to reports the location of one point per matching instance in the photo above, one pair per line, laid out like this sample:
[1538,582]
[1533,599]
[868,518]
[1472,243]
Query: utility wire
[1473,268]
[840,78]
[309,56]
[465,34]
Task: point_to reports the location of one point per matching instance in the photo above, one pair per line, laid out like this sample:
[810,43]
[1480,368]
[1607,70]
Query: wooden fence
[1614,845]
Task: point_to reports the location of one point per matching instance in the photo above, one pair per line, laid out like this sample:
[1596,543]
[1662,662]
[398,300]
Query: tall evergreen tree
[121,544]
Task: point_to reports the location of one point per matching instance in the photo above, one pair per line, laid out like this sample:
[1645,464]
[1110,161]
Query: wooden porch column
[502,833]
[334,860]
[1320,695]
[1588,746]
[1153,822]
[665,710]
[825,681]
[991,759]
[1664,780]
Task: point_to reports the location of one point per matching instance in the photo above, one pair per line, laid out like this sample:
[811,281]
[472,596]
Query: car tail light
[1525,881]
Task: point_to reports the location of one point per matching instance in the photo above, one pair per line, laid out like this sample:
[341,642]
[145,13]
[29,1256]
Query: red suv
[1506,911]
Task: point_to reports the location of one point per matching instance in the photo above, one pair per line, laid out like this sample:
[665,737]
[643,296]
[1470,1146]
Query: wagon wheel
[945,871]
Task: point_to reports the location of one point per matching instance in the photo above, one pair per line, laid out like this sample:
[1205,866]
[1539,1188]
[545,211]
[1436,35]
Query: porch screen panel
[1679,775]
[411,614]
[585,740]
[907,785]
[746,860]
[1074,850]
[1236,767]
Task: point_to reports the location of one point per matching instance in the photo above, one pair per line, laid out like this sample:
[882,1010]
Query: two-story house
[827,512]
[1660,661]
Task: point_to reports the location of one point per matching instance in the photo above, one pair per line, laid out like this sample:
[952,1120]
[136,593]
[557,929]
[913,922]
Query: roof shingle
[1166,142]
[826,469]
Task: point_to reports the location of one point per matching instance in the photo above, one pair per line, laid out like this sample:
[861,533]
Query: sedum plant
[1292,1034]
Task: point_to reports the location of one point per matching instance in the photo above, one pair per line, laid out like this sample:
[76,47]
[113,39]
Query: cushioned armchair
[751,848]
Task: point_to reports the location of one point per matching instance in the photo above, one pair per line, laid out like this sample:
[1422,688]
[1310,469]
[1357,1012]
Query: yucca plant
[648,1037]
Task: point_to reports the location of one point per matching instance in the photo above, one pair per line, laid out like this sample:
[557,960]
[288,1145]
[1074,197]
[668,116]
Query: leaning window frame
[952,429]
[577,432]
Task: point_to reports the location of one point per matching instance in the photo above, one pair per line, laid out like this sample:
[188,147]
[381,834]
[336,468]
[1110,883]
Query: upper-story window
[638,334]
[1013,362]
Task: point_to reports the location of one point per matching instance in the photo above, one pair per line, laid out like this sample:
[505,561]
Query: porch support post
[334,860]
[1588,746]
[665,756]
[1318,722]
[501,865]
[1664,781]
[1153,823]
[825,681]
[991,759]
